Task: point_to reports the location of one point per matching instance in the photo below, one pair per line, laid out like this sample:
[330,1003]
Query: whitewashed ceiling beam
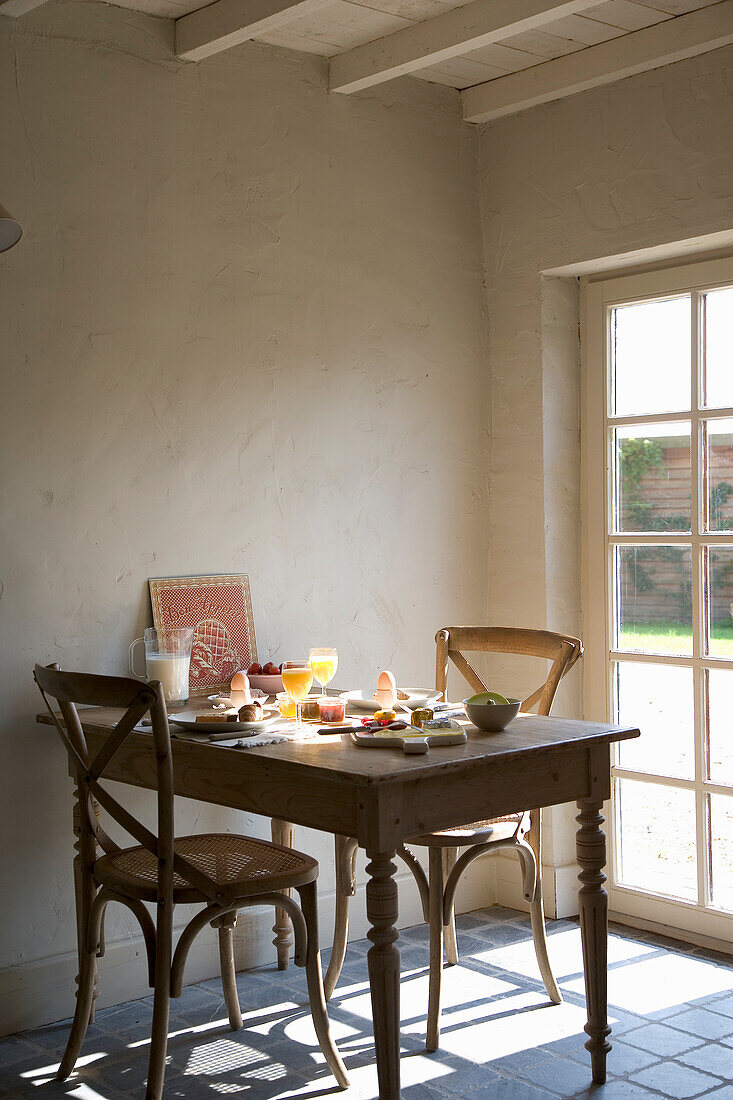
[451,34]
[226,23]
[686,36]
[19,7]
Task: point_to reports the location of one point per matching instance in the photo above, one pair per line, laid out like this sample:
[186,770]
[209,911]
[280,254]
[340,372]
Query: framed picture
[219,609]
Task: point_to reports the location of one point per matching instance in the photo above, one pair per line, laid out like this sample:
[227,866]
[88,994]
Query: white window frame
[598,294]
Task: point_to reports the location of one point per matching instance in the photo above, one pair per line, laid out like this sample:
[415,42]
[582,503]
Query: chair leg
[309,905]
[532,887]
[450,855]
[161,1002]
[225,925]
[345,861]
[435,869]
[539,935]
[84,1001]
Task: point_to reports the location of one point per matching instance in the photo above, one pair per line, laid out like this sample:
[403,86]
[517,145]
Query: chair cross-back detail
[225,872]
[518,832]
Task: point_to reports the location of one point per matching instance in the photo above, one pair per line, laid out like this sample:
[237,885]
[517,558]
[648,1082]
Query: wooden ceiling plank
[345,24]
[586,31]
[637,52]
[458,73]
[454,33]
[226,23]
[677,7]
[628,14]
[545,46]
[412,10]
[500,56]
[288,41]
[19,7]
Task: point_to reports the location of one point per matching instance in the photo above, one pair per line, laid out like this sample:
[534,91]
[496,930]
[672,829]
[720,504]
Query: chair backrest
[561,649]
[135,698]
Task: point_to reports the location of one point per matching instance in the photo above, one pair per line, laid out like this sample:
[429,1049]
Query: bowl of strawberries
[267,677]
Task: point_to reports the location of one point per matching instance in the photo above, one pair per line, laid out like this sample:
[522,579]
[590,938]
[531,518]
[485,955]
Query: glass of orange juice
[297,679]
[324,663]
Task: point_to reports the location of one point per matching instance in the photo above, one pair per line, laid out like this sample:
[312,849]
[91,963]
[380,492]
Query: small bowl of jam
[332,709]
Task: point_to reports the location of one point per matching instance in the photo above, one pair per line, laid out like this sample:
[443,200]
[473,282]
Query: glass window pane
[720,724]
[721,831]
[719,596]
[719,453]
[650,349]
[654,599]
[653,480]
[656,830]
[718,305]
[659,700]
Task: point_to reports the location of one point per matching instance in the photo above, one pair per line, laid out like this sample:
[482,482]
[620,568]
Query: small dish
[187,719]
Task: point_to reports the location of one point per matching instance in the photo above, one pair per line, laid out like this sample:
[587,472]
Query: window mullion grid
[699,609]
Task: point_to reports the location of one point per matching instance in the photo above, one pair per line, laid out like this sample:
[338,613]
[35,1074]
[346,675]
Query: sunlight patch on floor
[653,984]
[564,949]
[484,1032]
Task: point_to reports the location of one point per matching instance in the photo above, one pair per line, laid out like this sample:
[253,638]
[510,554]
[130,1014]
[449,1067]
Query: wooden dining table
[383,796]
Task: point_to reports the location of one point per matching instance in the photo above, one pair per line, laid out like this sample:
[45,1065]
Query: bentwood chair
[516,832]
[224,872]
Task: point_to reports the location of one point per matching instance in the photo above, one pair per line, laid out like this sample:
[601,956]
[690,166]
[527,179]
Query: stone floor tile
[661,1040]
[559,1075]
[507,1088]
[624,1059]
[711,1058]
[620,1089]
[723,1004]
[726,1093]
[676,1081]
[17,1048]
[698,1021]
[623,1022]
[500,934]
[513,1064]
[53,1037]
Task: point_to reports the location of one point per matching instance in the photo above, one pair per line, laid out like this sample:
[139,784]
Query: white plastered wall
[632,173]
[244,332]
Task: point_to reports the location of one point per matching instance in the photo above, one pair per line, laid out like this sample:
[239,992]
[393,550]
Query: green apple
[489,697]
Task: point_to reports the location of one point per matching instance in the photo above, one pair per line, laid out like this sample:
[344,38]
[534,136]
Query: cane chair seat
[492,828]
[241,864]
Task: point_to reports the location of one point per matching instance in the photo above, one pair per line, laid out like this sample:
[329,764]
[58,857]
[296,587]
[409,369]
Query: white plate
[187,719]
[416,697]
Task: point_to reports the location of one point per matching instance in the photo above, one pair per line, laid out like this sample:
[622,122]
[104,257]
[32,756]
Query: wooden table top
[337,757]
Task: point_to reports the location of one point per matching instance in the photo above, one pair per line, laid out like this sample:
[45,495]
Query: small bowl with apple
[490,711]
[267,677]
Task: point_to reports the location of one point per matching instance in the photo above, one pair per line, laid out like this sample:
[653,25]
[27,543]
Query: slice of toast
[217,715]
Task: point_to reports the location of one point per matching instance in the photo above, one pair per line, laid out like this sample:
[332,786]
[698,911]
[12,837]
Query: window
[658,583]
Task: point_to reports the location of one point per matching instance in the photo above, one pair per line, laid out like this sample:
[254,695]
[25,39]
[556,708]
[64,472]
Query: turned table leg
[384,970]
[282,833]
[591,852]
